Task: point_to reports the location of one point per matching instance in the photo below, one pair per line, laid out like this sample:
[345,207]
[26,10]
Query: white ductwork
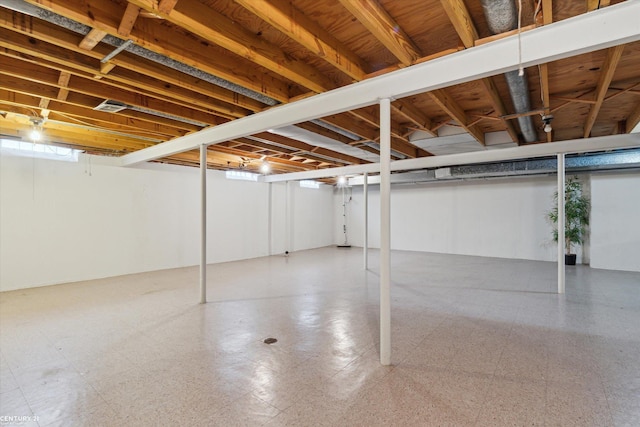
[502,16]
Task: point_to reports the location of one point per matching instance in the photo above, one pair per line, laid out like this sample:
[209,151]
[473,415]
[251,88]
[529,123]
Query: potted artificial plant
[576,210]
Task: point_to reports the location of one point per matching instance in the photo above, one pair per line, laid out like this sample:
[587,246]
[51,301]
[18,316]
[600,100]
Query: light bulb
[35,135]
[342,180]
[265,167]
[548,128]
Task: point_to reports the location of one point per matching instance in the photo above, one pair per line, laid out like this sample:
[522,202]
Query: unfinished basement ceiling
[193,64]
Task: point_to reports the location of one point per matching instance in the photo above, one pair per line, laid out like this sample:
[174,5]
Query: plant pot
[570,259]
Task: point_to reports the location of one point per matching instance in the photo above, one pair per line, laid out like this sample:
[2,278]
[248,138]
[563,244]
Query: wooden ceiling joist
[16,85]
[232,56]
[608,69]
[343,122]
[77,113]
[463,23]
[63,83]
[303,146]
[547,18]
[634,118]
[286,18]
[55,58]
[453,109]
[166,6]
[180,47]
[373,16]
[92,38]
[217,28]
[59,41]
[129,19]
[413,115]
[461,20]
[89,86]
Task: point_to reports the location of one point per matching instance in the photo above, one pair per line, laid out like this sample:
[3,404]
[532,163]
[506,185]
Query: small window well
[41,151]
[309,184]
[242,175]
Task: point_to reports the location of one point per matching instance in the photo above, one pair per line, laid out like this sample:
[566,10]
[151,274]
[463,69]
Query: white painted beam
[523,152]
[611,26]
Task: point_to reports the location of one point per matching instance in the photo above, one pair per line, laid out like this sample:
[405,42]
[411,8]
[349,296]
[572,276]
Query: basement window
[309,184]
[41,151]
[242,175]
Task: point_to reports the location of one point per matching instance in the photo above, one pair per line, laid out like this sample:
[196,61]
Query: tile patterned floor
[476,342]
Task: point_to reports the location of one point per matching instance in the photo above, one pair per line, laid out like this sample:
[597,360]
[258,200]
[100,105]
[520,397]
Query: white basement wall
[64,222]
[497,218]
[615,221]
[504,218]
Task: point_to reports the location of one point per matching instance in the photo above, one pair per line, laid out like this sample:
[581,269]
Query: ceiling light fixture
[265,167]
[36,128]
[546,119]
[342,180]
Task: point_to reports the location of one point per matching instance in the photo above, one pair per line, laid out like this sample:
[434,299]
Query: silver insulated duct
[502,15]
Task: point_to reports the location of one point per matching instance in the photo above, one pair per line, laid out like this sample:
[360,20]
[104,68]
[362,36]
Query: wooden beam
[290,21]
[44,103]
[128,65]
[179,46]
[284,16]
[83,112]
[463,23]
[498,106]
[214,27]
[506,34]
[374,120]
[92,39]
[544,88]
[379,23]
[106,67]
[368,134]
[250,155]
[525,114]
[63,83]
[96,89]
[166,6]
[20,86]
[543,69]
[303,146]
[455,111]
[128,19]
[596,4]
[319,130]
[124,80]
[461,20]
[623,91]
[608,69]
[577,100]
[413,114]
[633,119]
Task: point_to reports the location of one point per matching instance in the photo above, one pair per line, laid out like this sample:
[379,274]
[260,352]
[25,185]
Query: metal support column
[385,231]
[203,224]
[561,224]
[365,244]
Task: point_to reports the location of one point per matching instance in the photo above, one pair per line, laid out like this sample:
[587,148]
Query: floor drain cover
[270,340]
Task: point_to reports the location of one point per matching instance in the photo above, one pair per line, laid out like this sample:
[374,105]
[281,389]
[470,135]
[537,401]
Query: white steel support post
[365,244]
[561,224]
[203,224]
[385,231]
